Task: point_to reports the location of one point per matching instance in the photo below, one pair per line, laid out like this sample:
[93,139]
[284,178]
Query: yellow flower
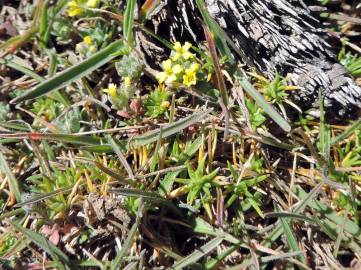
[182,51]
[74,9]
[190,76]
[92,3]
[88,40]
[127,81]
[111,90]
[170,72]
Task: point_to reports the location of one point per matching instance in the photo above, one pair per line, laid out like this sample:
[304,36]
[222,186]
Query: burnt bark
[275,36]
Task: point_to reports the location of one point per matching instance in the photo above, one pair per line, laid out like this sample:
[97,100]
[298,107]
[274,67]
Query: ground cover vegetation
[107,163]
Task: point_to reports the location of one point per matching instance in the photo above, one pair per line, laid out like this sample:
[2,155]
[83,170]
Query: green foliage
[70,123]
[256,114]
[129,66]
[157,102]
[199,184]
[63,30]
[132,204]
[304,121]
[241,189]
[275,90]
[351,62]
[47,108]
[59,179]
[6,243]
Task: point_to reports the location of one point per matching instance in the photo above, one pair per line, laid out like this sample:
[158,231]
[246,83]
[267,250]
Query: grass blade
[115,175]
[12,62]
[128,21]
[290,237]
[201,226]
[196,255]
[70,75]
[4,168]
[290,215]
[65,138]
[121,157]
[347,133]
[42,197]
[139,194]
[170,129]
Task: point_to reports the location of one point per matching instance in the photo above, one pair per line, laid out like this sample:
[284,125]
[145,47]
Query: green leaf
[76,72]
[220,39]
[115,175]
[20,65]
[201,226]
[121,157]
[128,21]
[291,239]
[147,195]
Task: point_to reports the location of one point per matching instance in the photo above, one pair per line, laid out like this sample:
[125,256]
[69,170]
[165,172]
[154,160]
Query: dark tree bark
[276,36]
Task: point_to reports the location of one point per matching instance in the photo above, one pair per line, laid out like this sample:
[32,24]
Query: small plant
[275,91]
[198,185]
[57,205]
[87,47]
[120,96]
[351,62]
[47,108]
[129,66]
[63,30]
[157,103]
[256,114]
[241,190]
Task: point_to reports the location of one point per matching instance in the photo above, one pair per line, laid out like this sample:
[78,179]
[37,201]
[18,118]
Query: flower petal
[177,69]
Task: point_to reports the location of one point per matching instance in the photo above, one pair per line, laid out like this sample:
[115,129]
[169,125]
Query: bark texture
[276,36]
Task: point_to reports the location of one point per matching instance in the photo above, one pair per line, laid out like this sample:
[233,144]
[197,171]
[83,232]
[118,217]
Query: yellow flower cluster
[181,67]
[74,9]
[87,46]
[112,89]
[77,7]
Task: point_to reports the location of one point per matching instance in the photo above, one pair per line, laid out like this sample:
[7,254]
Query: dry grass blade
[13,183]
